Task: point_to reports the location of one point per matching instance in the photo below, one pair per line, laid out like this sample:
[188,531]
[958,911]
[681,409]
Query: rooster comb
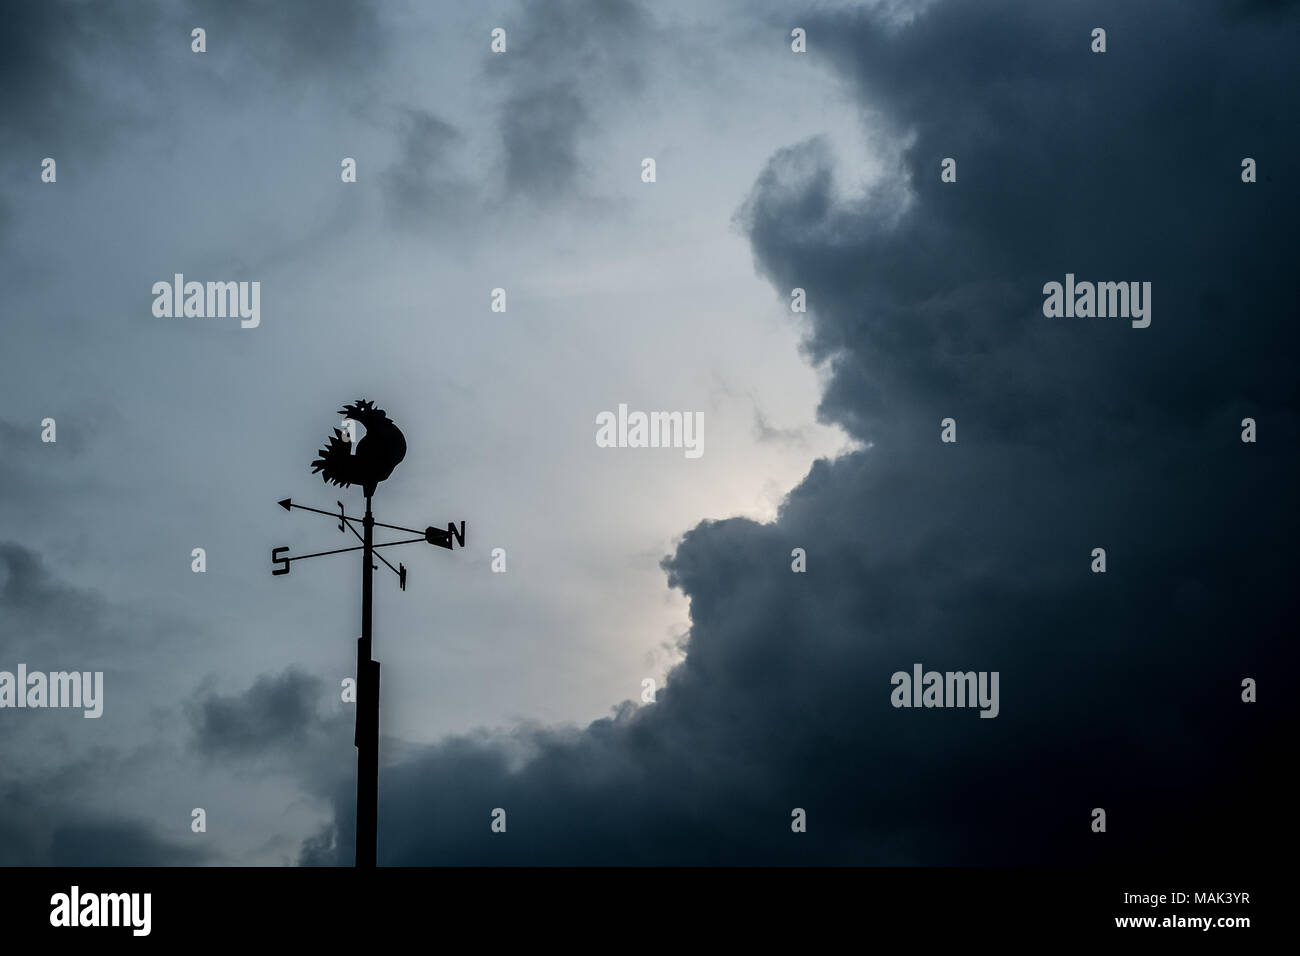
[362,409]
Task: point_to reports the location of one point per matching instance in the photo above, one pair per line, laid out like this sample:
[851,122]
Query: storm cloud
[570,63]
[275,712]
[1118,690]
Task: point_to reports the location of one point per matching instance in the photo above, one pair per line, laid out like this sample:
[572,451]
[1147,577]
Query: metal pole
[367,735]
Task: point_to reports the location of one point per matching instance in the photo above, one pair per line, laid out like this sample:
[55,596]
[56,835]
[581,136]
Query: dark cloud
[42,613]
[26,581]
[766,432]
[290,725]
[20,842]
[1061,168]
[22,441]
[44,618]
[82,76]
[47,58]
[277,713]
[326,40]
[1120,690]
[118,843]
[53,771]
[540,130]
[418,188]
[321,849]
[1265,7]
[47,782]
[43,824]
[57,58]
[40,477]
[566,64]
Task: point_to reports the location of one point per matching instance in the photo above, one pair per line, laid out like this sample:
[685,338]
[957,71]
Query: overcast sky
[775,170]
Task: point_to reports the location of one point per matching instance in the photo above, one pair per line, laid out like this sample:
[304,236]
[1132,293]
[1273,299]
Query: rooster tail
[335,463]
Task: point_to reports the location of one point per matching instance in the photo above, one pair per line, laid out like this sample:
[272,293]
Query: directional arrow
[319,554]
[442,538]
[287,503]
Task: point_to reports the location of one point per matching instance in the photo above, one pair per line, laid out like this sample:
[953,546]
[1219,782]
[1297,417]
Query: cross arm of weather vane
[344,520]
[431,535]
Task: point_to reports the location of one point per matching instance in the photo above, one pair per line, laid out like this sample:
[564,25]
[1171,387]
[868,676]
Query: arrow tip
[286,503]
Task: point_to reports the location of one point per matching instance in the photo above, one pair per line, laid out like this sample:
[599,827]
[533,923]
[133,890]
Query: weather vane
[379,451]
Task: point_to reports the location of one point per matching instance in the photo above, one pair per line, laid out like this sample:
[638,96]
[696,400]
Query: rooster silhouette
[378,453]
